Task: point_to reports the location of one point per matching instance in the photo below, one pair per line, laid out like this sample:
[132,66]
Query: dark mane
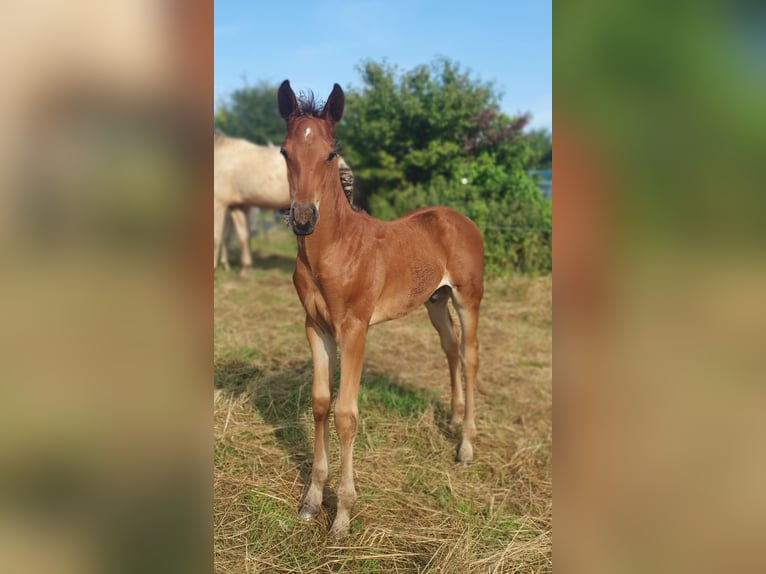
[309,105]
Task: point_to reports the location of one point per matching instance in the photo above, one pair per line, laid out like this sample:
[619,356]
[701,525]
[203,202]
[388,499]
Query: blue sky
[317,43]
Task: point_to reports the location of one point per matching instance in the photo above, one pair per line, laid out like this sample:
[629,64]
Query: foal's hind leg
[438,312]
[467,308]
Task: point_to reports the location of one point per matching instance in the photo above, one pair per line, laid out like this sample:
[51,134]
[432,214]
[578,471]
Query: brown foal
[353,271]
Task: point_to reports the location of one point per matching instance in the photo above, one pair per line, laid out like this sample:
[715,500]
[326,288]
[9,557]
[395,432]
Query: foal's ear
[288,104]
[333,109]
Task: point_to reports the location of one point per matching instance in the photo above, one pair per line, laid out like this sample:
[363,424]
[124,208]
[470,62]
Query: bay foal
[353,271]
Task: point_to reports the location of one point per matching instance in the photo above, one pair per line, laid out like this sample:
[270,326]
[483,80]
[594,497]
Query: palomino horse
[244,175]
[248,175]
[353,271]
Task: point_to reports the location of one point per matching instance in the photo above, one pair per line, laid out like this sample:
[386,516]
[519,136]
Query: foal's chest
[310,294]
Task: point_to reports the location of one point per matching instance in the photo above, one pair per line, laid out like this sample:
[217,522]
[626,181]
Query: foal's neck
[336,219]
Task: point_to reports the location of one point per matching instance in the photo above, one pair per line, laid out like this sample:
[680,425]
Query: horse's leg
[225,241]
[346,416]
[323,351]
[468,312]
[438,312]
[239,217]
[219,222]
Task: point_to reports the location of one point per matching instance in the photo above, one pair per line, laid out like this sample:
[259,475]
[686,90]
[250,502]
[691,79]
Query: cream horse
[248,175]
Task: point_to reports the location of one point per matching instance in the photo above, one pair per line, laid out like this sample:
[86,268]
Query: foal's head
[309,150]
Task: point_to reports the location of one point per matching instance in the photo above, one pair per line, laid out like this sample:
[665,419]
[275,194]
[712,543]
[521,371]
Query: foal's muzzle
[303,218]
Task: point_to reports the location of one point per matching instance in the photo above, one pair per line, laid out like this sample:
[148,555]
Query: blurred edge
[107,314]
[659,282]
[105,357]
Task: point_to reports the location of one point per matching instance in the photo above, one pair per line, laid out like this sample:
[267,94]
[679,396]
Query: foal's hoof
[339,530]
[307,512]
[465,454]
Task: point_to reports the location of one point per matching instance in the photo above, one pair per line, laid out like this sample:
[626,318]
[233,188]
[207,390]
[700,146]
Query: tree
[410,127]
[251,113]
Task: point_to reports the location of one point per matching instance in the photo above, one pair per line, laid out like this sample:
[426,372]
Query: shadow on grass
[283,399]
[281,262]
[280,397]
[385,393]
[232,376]
[263,261]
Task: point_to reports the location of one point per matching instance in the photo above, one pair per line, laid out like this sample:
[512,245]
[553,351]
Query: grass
[417,511]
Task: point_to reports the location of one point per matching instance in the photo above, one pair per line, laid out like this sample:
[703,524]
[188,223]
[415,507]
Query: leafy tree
[251,112]
[410,127]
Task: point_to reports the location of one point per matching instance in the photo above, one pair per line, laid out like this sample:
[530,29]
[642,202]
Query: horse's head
[309,150]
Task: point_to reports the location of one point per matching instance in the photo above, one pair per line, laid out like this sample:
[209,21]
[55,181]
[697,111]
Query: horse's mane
[347,182]
[308,105]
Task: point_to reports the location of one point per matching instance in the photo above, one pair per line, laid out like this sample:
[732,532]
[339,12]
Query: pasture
[417,510]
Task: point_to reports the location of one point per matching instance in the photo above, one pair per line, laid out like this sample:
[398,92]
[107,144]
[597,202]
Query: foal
[353,271]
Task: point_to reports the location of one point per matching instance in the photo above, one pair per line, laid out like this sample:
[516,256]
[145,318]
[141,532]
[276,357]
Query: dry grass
[417,510]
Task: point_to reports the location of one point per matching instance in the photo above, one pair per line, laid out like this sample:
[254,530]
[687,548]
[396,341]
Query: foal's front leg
[346,417]
[323,350]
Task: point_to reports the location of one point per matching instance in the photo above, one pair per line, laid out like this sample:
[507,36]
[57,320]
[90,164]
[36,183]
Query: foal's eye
[283,152]
[332,156]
